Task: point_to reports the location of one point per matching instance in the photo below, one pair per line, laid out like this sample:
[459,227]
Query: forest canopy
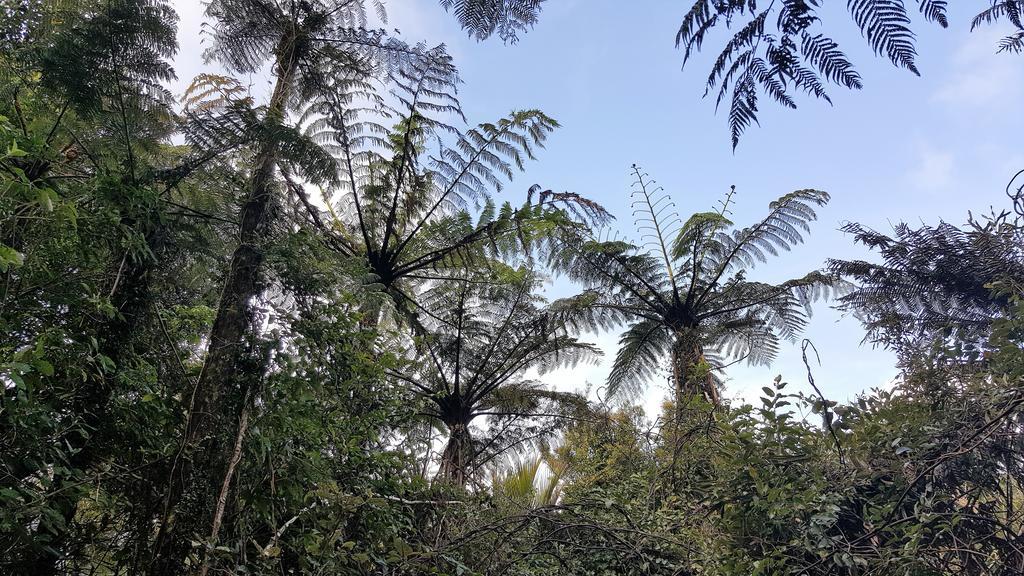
[312,331]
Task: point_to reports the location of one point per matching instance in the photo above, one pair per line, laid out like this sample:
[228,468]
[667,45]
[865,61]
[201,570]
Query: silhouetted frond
[760,59]
[932,280]
[484,18]
[935,11]
[1013,43]
[885,24]
[641,354]
[1010,10]
[824,54]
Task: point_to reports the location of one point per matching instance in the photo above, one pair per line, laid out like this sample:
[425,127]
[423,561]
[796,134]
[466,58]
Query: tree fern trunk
[691,376]
[457,456]
[224,371]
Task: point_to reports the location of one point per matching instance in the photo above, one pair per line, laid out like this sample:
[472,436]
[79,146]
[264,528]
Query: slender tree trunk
[457,456]
[225,370]
[225,487]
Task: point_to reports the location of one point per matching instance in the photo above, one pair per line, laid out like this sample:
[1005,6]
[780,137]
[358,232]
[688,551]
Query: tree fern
[474,360]
[933,281]
[311,46]
[684,293]
[403,205]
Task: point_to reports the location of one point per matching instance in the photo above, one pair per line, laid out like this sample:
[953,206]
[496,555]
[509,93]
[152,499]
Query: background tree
[938,280]
[310,46]
[86,223]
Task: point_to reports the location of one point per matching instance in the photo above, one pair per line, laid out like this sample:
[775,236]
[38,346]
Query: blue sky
[902,149]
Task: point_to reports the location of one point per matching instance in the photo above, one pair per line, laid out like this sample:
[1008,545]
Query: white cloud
[933,170]
[981,77]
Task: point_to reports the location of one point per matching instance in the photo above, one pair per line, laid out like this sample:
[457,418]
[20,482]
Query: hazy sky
[903,149]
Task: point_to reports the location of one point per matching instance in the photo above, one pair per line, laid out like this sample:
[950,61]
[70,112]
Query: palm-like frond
[641,355]
[788,219]
[404,205]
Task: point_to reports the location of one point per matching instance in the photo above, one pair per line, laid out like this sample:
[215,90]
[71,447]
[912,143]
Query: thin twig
[824,401]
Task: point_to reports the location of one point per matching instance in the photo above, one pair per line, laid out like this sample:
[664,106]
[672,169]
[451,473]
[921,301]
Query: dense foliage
[305,336]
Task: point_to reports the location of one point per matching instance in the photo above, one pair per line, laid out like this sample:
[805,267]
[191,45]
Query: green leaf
[46,198]
[44,367]
[10,258]
[15,152]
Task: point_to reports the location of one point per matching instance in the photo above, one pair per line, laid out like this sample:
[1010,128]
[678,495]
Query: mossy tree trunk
[232,364]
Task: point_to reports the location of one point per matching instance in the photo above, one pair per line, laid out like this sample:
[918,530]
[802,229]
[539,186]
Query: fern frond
[823,53]
[789,217]
[885,24]
[742,42]
[1013,43]
[208,92]
[641,354]
[696,24]
[1011,10]
[935,11]
[743,110]
[794,54]
[482,155]
[483,18]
